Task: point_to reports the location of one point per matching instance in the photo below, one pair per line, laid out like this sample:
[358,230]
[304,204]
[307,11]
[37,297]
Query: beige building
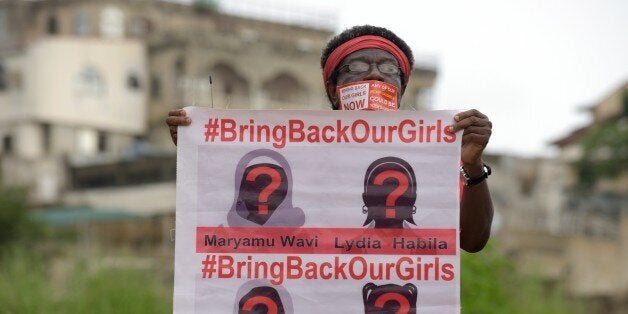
[65,95]
[88,83]
[574,236]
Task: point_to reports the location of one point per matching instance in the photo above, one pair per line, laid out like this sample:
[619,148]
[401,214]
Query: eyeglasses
[361,67]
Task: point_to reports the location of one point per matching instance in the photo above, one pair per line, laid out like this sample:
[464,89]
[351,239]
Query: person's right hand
[176,118]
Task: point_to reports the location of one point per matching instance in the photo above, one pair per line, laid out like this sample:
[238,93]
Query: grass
[28,286]
[492,284]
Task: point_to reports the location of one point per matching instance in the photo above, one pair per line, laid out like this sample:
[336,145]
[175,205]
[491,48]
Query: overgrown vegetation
[605,153]
[492,284]
[27,285]
[14,221]
[604,150]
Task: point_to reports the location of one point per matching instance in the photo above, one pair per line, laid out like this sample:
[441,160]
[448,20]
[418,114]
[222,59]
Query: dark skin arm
[476,207]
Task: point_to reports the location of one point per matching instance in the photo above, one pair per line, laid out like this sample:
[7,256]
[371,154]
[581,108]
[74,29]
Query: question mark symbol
[402,187]
[271,306]
[275,176]
[404,305]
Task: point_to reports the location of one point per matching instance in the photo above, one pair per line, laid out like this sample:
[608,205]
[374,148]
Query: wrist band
[468,181]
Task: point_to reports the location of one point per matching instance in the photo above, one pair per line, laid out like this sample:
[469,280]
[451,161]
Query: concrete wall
[612,105]
[146,199]
[596,267]
[61,94]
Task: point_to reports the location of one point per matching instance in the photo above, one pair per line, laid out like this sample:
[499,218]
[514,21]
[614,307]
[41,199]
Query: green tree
[604,149]
[604,152]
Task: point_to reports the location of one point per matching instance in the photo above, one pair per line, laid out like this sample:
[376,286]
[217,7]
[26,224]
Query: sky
[530,65]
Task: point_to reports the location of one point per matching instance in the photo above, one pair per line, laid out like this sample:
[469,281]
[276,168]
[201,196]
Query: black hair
[373,199]
[361,30]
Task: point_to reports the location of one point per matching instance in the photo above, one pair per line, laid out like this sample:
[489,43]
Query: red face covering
[367,95]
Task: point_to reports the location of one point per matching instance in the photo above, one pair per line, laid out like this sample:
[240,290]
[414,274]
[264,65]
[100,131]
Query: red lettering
[426,270]
[436,268]
[448,274]
[341,132]
[227,128]
[352,266]
[276,271]
[389,268]
[296,131]
[251,130]
[279,136]
[450,136]
[240,266]
[243,129]
[430,129]
[326,266]
[311,270]
[339,268]
[438,131]
[382,134]
[327,138]
[411,133]
[400,274]
[391,130]
[263,129]
[294,267]
[365,131]
[225,267]
[313,135]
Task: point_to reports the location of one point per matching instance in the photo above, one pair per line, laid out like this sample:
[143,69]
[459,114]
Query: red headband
[364,42]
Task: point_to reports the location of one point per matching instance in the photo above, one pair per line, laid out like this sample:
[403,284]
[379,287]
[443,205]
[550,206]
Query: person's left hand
[477,131]
[176,118]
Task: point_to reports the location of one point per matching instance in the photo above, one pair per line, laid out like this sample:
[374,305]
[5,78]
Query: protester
[349,57]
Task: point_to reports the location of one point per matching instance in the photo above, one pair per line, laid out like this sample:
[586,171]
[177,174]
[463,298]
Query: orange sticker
[367,95]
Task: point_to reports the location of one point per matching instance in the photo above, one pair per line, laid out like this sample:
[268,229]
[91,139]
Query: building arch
[285,88]
[227,81]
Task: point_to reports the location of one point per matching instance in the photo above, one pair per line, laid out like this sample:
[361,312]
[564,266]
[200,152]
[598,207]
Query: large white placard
[317,212]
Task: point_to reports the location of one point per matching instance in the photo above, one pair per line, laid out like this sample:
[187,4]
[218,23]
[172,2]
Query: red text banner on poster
[326,241]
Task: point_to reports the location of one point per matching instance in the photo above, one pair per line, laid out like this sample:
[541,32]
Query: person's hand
[477,131]
[176,118]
